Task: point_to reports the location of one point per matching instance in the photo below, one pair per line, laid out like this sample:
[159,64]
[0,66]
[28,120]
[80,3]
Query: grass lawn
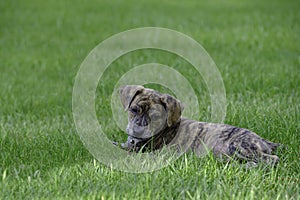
[255,45]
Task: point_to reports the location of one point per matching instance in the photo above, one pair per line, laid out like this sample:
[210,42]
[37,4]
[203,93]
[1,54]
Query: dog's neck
[163,138]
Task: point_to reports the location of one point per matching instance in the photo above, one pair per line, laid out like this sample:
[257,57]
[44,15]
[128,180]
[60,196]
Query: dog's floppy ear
[173,108]
[127,94]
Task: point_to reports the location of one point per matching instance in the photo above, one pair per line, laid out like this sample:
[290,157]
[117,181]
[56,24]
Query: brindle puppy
[154,120]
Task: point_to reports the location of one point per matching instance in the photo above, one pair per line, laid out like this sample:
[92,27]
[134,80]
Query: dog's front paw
[126,146]
[116,143]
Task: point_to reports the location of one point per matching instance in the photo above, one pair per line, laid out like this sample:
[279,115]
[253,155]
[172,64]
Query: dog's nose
[131,141]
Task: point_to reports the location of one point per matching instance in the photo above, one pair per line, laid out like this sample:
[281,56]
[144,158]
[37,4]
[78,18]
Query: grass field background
[255,45]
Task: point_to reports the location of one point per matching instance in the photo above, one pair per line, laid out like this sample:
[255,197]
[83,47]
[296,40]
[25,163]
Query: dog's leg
[253,153]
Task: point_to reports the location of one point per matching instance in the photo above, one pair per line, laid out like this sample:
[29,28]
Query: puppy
[154,120]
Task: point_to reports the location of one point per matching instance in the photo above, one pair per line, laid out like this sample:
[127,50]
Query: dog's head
[149,112]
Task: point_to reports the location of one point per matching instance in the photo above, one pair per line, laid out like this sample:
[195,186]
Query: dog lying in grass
[154,120]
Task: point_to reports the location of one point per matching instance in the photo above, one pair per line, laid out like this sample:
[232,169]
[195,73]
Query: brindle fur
[225,141]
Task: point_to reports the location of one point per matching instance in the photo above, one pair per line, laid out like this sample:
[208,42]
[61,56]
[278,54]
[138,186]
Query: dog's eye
[134,110]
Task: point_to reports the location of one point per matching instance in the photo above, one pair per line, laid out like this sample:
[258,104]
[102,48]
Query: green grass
[255,45]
